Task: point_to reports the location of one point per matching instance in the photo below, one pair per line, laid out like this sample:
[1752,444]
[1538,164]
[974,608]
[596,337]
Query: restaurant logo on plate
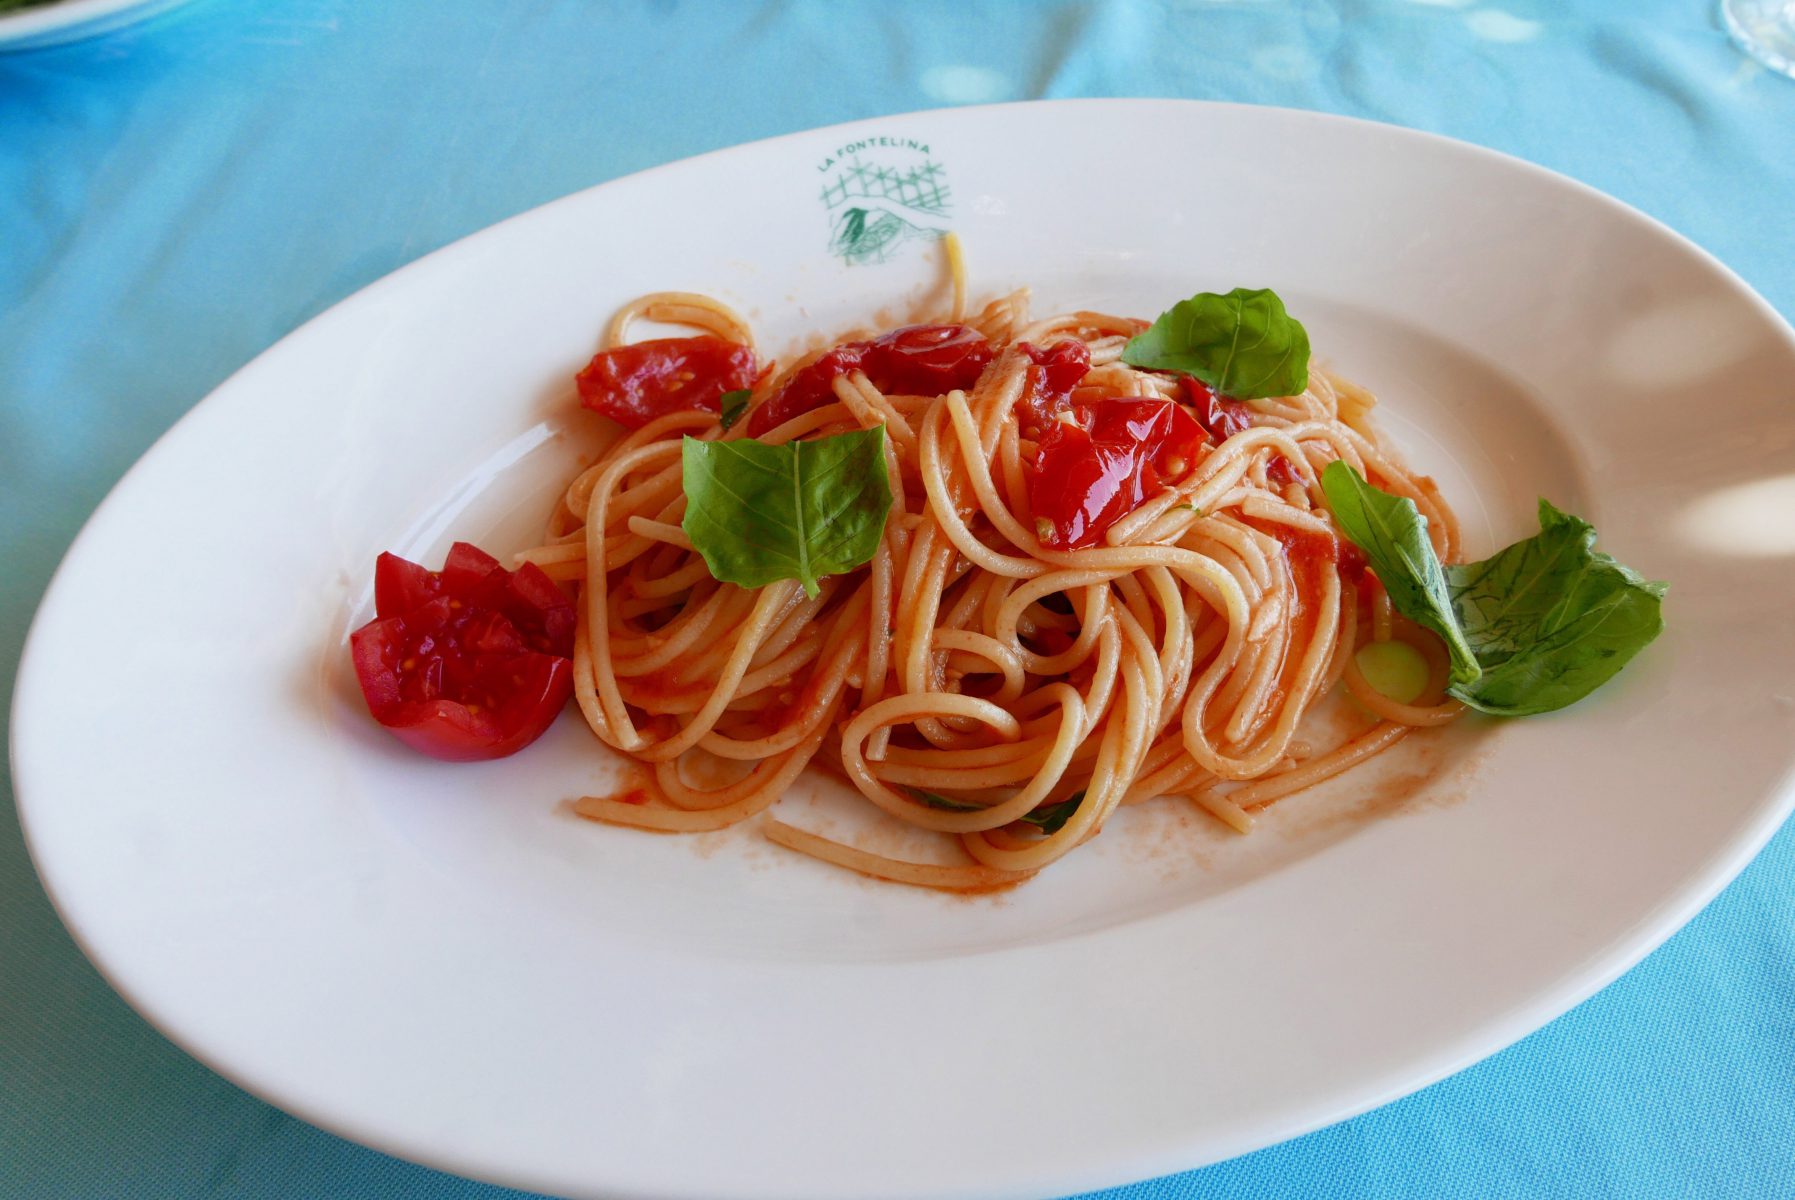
[880,193]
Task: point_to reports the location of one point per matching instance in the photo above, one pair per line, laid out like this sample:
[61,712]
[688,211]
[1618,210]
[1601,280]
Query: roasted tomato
[636,383]
[1097,462]
[470,662]
[1054,373]
[1222,417]
[918,360]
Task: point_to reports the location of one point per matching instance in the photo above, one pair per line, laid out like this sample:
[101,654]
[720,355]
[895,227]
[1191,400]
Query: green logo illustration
[883,192]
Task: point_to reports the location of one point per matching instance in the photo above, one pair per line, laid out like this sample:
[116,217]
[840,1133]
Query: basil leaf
[1551,619]
[1393,534]
[731,406]
[942,802]
[1534,627]
[1053,818]
[1050,819]
[802,510]
[1243,345]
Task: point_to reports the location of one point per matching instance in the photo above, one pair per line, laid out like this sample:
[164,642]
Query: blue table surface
[178,195]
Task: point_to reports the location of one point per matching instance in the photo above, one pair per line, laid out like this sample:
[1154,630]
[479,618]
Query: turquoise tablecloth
[179,195]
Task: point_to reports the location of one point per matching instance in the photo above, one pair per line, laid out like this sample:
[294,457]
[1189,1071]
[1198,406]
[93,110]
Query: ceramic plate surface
[72,20]
[439,961]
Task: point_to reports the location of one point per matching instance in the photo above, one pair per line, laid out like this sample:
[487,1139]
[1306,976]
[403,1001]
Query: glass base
[1764,29]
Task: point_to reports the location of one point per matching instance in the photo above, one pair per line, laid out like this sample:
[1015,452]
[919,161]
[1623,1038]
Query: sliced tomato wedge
[467,663]
[918,360]
[1098,461]
[636,383]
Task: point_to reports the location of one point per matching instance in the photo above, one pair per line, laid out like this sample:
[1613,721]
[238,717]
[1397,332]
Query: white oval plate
[72,20]
[439,961]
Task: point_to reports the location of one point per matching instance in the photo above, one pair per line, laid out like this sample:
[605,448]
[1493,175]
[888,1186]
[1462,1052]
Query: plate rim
[64,21]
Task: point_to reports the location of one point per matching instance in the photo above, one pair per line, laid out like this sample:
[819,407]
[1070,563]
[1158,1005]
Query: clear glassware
[1764,29]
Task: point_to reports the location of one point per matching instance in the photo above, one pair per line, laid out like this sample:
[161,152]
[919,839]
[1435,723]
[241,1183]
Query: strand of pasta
[967,660]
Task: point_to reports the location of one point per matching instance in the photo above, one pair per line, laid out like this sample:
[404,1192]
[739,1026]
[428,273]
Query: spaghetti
[974,676]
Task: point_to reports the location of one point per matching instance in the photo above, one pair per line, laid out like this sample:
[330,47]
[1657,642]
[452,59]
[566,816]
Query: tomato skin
[1100,461]
[927,360]
[636,383]
[1055,372]
[917,360]
[1281,470]
[471,662]
[1222,417]
[449,729]
[809,387]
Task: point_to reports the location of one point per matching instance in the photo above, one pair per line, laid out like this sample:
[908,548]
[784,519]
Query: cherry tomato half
[918,360]
[1099,461]
[470,662]
[636,383]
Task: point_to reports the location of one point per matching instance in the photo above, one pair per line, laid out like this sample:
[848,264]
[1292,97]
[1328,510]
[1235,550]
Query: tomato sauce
[1310,553]
[660,691]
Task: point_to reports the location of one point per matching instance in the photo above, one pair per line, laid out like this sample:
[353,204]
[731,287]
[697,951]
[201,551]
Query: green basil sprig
[731,406]
[1533,628]
[944,803]
[1393,534]
[1243,345]
[1049,818]
[1551,619]
[802,510]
